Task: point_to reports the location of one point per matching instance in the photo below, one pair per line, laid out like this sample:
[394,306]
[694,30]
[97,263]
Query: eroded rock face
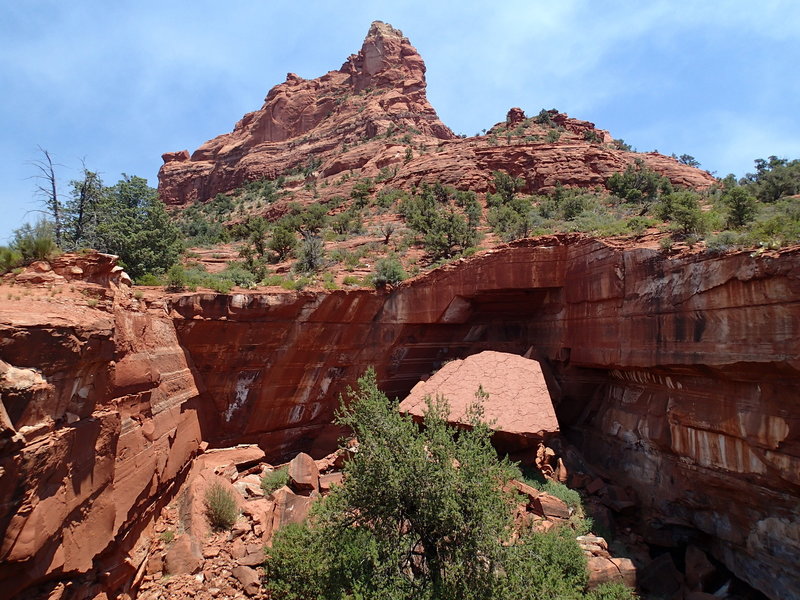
[675,377]
[510,389]
[100,423]
[372,117]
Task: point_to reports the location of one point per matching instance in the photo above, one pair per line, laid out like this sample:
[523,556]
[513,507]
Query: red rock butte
[342,124]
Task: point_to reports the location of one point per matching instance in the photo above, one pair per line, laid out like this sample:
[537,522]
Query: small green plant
[274,479]
[222,286]
[388,271]
[666,243]
[176,278]
[167,536]
[150,279]
[138,294]
[91,302]
[351,280]
[310,256]
[221,508]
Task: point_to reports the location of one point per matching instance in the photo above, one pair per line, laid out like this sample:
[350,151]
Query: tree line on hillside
[127,219]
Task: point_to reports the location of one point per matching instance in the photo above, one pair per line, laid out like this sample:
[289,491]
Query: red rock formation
[517,404]
[373,113]
[101,423]
[675,376]
[667,371]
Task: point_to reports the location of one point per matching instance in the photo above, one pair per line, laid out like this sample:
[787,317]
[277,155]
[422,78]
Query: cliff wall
[99,422]
[676,377]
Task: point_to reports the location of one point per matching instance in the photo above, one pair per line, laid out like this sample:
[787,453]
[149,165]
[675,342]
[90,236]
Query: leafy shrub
[612,591]
[310,256]
[638,225]
[388,271]
[282,242]
[421,514]
[150,279]
[683,208]
[638,183]
[444,218]
[742,206]
[176,278]
[774,178]
[35,242]
[274,479]
[351,280]
[221,508]
[9,259]
[346,222]
[724,240]
[569,496]
[222,286]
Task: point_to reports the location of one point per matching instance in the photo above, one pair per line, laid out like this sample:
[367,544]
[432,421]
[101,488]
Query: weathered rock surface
[674,376]
[667,372]
[518,403]
[100,424]
[372,117]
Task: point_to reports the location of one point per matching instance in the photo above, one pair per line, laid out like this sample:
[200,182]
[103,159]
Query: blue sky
[118,84]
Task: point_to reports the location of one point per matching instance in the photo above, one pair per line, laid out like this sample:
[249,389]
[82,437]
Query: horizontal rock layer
[676,377]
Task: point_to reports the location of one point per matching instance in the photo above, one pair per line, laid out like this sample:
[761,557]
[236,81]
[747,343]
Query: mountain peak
[386,59]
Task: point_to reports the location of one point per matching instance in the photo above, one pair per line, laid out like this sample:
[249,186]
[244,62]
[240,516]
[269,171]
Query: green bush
[274,479]
[774,179]
[9,259]
[388,271]
[282,242]
[612,591]
[421,514]
[310,256]
[742,206]
[445,218]
[176,278]
[150,279]
[221,286]
[723,241]
[35,242]
[683,208]
[221,508]
[638,183]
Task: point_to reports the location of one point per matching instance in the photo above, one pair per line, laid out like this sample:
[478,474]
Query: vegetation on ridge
[373,234]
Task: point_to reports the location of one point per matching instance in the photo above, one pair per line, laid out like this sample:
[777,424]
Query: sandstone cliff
[372,117]
[675,376]
[99,422]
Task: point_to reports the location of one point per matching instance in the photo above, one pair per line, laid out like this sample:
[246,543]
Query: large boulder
[515,397]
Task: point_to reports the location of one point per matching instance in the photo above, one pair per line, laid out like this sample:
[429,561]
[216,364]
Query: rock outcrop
[100,423]
[667,372]
[510,389]
[674,376]
[372,118]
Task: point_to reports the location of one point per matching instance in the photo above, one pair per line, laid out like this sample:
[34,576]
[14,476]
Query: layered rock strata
[676,377]
[100,423]
[371,118]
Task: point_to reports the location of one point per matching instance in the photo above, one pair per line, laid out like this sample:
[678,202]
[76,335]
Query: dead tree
[46,190]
